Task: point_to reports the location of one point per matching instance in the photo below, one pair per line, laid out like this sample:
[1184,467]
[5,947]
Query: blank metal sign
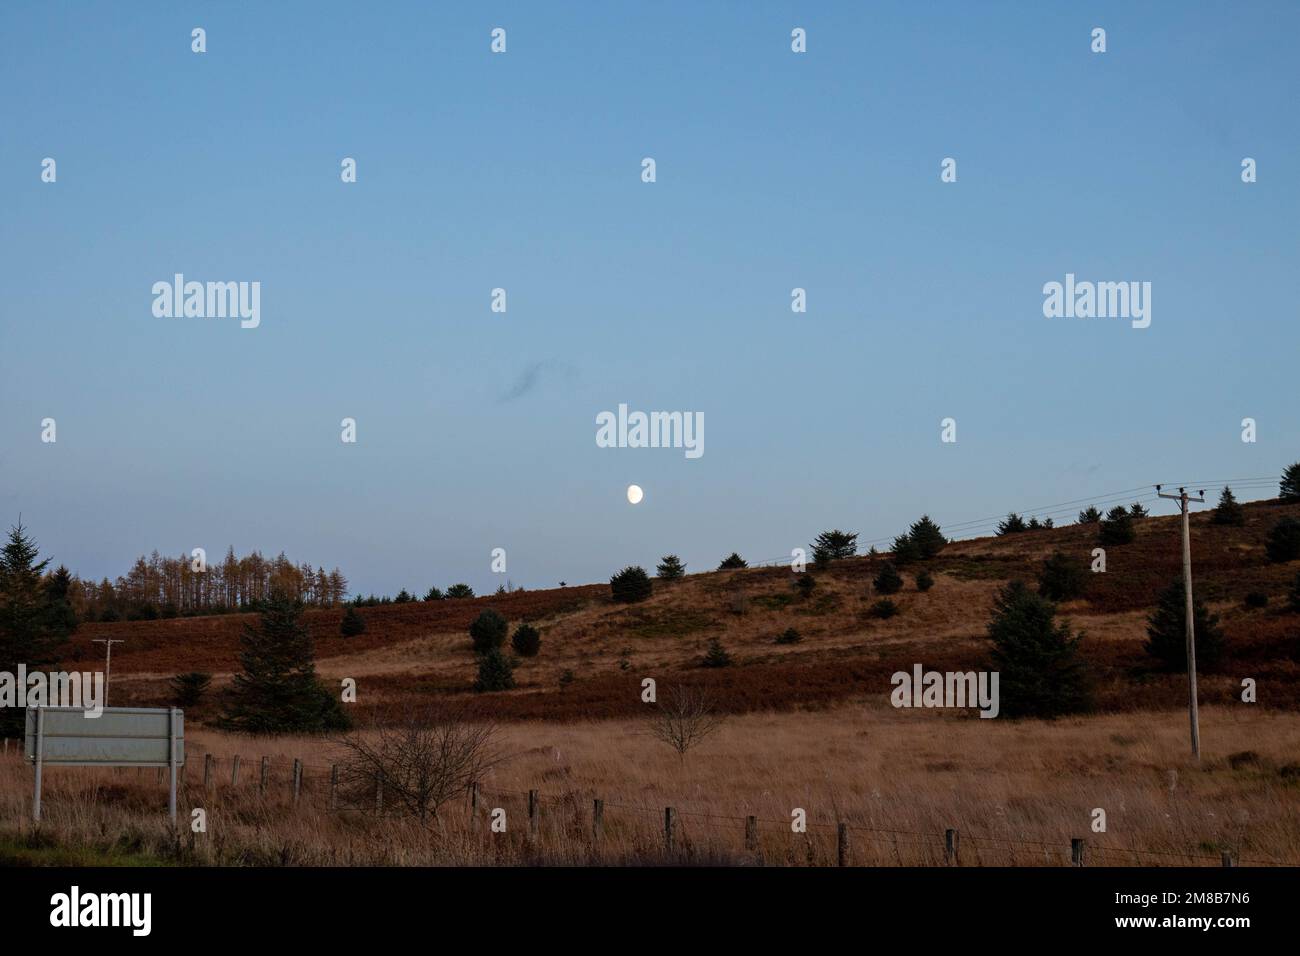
[119,737]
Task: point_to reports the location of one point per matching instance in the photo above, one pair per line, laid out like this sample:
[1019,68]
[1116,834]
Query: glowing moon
[634,494]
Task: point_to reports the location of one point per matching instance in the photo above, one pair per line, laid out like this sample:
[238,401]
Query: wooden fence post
[670,819]
[597,820]
[534,810]
[751,834]
[207,771]
[297,779]
[1227,858]
[473,807]
[950,847]
[234,771]
[266,773]
[842,847]
[334,786]
[1076,851]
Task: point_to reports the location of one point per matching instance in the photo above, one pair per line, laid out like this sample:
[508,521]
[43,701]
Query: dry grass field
[1016,792]
[808,726]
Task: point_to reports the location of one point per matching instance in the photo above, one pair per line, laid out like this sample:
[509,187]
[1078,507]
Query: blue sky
[774,170]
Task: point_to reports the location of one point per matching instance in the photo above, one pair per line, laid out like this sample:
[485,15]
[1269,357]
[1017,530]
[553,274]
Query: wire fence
[322,787]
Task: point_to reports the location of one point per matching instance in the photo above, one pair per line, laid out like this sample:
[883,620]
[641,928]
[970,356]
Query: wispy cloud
[532,376]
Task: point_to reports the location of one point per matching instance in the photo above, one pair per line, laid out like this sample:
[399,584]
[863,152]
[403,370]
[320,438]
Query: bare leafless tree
[683,718]
[419,761]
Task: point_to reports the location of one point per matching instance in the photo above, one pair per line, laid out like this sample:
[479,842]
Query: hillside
[411,651]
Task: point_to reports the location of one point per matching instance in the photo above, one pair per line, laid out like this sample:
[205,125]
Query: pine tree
[630,585]
[28,632]
[278,691]
[60,616]
[1061,577]
[883,609]
[904,550]
[924,581]
[733,561]
[927,537]
[670,568]
[1229,511]
[1167,631]
[1283,541]
[527,640]
[1117,526]
[488,631]
[888,581]
[495,672]
[1040,670]
[433,594]
[1089,515]
[188,689]
[1294,596]
[834,545]
[353,623]
[1137,511]
[460,591]
[716,656]
[1289,488]
[1011,524]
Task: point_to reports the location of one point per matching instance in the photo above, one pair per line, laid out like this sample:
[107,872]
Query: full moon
[634,494]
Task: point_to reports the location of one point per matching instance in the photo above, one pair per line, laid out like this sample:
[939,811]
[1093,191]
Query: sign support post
[40,759]
[171,763]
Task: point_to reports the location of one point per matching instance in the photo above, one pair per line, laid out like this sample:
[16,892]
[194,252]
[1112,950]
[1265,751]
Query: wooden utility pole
[108,660]
[1193,713]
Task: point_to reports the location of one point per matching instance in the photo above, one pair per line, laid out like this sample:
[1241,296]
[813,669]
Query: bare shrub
[683,718]
[419,762]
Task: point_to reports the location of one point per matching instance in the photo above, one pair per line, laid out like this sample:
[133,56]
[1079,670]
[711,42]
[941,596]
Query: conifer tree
[353,623]
[630,585]
[30,632]
[1011,524]
[496,671]
[904,550]
[1062,577]
[1041,673]
[1283,541]
[1229,511]
[716,656]
[1167,631]
[277,692]
[1117,526]
[927,538]
[527,640]
[888,581]
[1289,488]
[62,619]
[488,631]
[834,545]
[670,568]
